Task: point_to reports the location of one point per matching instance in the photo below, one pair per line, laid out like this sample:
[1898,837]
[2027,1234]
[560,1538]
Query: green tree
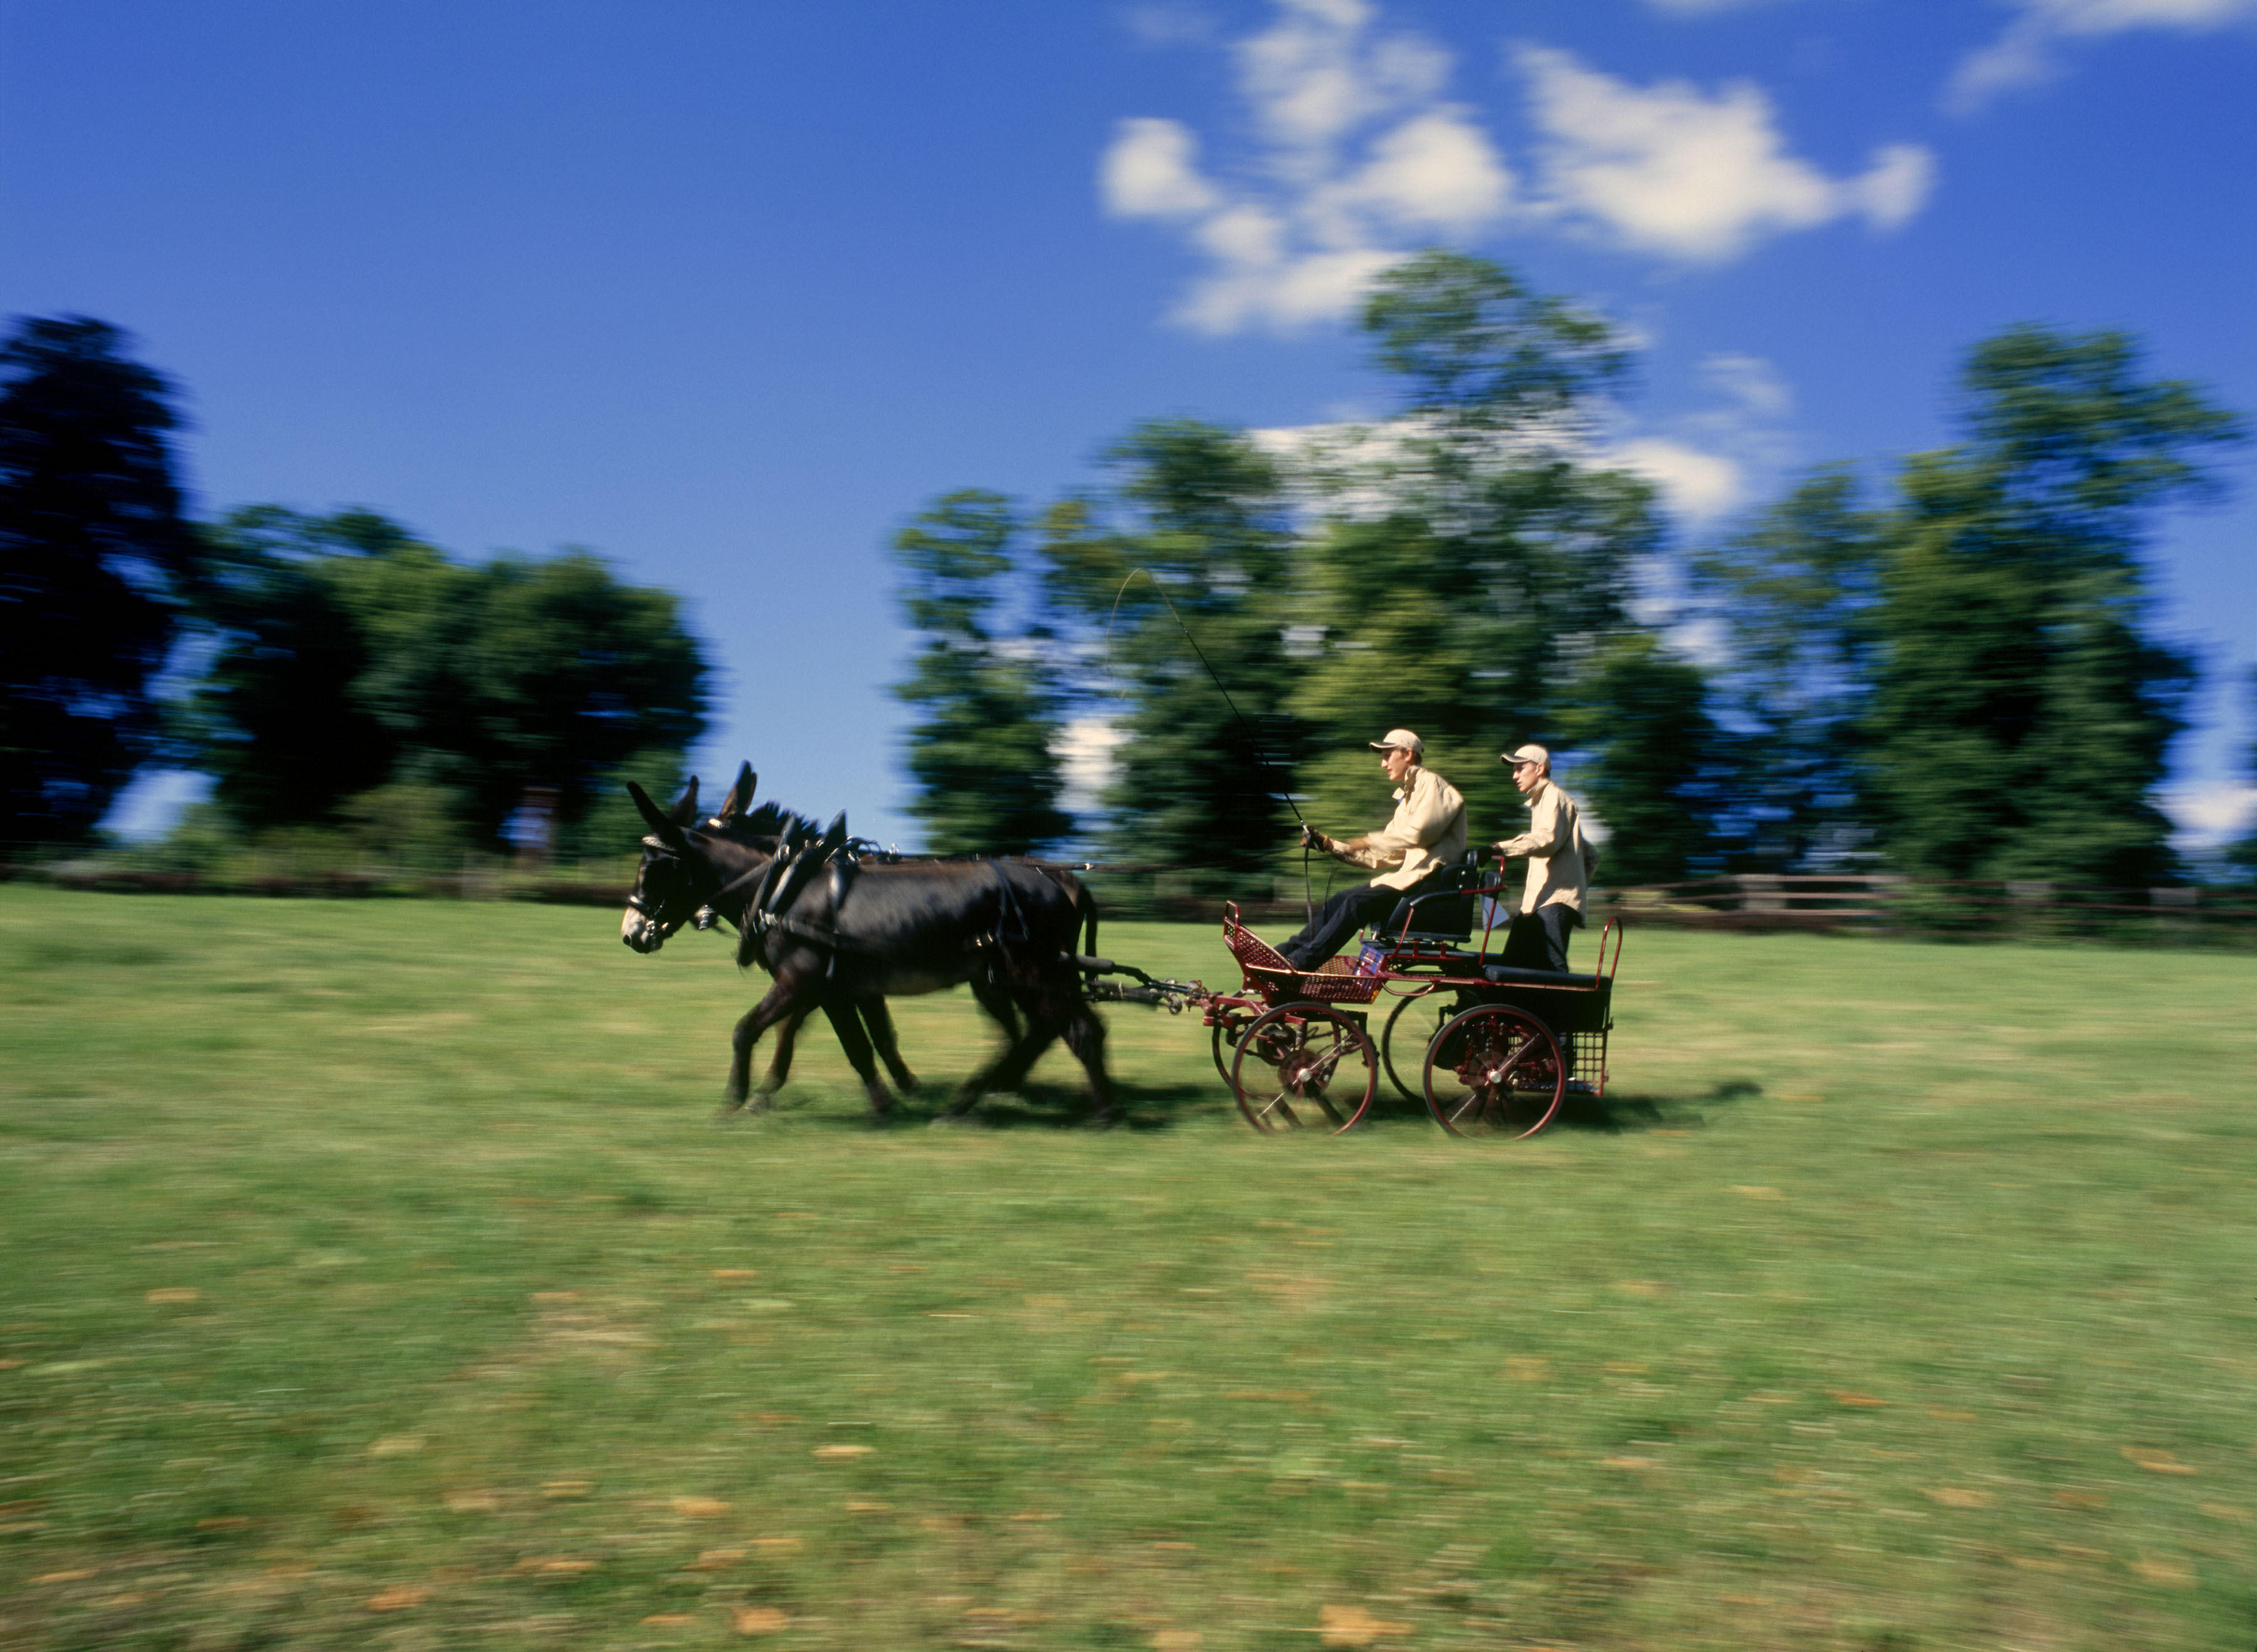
[93,557]
[350,656]
[981,749]
[1180,583]
[1473,561]
[1656,768]
[2240,858]
[1795,591]
[2020,717]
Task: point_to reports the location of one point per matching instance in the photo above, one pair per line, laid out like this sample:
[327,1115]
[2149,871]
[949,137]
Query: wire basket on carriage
[1271,977]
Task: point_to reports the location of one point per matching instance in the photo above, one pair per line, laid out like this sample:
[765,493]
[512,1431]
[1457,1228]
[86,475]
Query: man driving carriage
[1426,836]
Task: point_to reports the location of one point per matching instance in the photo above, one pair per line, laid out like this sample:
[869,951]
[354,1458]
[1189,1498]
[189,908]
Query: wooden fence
[1873,902]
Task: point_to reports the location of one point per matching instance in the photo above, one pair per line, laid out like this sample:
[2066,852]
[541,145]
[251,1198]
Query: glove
[1312,839]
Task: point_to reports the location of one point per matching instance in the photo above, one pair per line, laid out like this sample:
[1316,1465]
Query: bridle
[704,915]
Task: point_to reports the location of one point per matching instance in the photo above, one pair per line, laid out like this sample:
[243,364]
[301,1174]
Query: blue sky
[726,290]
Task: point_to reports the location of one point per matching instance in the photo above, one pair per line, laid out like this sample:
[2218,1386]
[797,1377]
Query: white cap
[1520,754]
[1402,738]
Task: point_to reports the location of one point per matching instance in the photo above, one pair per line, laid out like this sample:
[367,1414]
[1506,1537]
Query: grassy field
[373,1275]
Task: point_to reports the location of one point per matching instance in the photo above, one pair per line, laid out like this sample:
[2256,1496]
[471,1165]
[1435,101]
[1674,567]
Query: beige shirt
[1553,844]
[1427,833]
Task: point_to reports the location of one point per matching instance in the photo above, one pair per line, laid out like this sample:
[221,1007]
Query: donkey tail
[1087,903]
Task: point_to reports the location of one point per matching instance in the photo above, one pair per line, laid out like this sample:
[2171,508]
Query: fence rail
[1754,901]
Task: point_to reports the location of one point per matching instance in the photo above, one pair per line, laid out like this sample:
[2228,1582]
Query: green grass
[374,1273]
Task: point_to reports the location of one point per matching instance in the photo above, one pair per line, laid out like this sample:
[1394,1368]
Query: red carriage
[1492,1048]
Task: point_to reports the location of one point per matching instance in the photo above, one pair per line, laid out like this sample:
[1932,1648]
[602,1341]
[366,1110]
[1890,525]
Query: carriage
[1491,1046]
[1495,1045]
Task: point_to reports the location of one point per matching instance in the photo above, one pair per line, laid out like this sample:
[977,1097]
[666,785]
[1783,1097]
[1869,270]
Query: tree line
[1953,675]
[332,673]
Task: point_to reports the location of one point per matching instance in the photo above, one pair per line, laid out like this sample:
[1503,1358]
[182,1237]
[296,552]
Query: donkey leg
[780,1002]
[995,998]
[780,1063]
[1009,1070]
[848,1025]
[1084,1036]
[881,1023]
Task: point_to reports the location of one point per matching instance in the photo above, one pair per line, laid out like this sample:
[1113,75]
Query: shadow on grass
[1150,1108]
[1034,1106]
[1624,1112]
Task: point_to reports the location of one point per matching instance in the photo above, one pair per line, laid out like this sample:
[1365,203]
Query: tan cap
[1402,737]
[1520,754]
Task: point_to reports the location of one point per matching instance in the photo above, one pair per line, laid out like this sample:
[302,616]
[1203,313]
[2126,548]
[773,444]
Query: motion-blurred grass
[374,1275]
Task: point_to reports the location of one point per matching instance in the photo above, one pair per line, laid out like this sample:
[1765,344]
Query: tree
[1474,559]
[1661,773]
[981,749]
[2240,858]
[93,558]
[2020,718]
[350,656]
[1795,591]
[1180,584]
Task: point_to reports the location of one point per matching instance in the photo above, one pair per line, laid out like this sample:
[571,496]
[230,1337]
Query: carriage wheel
[1494,1071]
[1224,1043]
[1417,1033]
[1304,1066]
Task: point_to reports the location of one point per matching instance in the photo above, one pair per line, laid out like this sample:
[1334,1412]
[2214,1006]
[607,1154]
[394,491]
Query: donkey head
[669,887]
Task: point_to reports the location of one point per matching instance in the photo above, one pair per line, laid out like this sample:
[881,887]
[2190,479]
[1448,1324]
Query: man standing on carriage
[1426,836]
[1559,861]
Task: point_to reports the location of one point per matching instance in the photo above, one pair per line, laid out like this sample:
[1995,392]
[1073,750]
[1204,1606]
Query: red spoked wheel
[1304,1066]
[1494,1071]
[1412,1023]
[1228,1023]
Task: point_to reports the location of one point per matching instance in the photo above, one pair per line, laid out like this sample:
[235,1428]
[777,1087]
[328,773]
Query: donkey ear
[685,806]
[835,838]
[654,817]
[740,795]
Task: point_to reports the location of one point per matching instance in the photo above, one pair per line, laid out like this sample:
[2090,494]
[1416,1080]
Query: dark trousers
[1539,940]
[1341,916]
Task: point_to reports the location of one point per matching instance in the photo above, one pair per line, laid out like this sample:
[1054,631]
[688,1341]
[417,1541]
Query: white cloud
[1672,170]
[1360,160]
[1708,464]
[1359,163]
[1694,485]
[2212,814]
[1165,24]
[1085,749]
[2027,51]
[1152,172]
[1751,382]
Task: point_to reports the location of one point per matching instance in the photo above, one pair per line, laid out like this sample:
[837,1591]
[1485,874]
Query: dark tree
[1475,561]
[2021,715]
[1179,585]
[980,751]
[282,717]
[93,558]
[1658,771]
[352,656]
[1795,590]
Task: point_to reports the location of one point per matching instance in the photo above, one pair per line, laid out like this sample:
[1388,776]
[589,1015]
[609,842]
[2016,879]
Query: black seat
[1443,910]
[1508,975]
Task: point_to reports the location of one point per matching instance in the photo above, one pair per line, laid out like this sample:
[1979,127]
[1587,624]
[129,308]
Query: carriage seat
[1444,913]
[1509,975]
